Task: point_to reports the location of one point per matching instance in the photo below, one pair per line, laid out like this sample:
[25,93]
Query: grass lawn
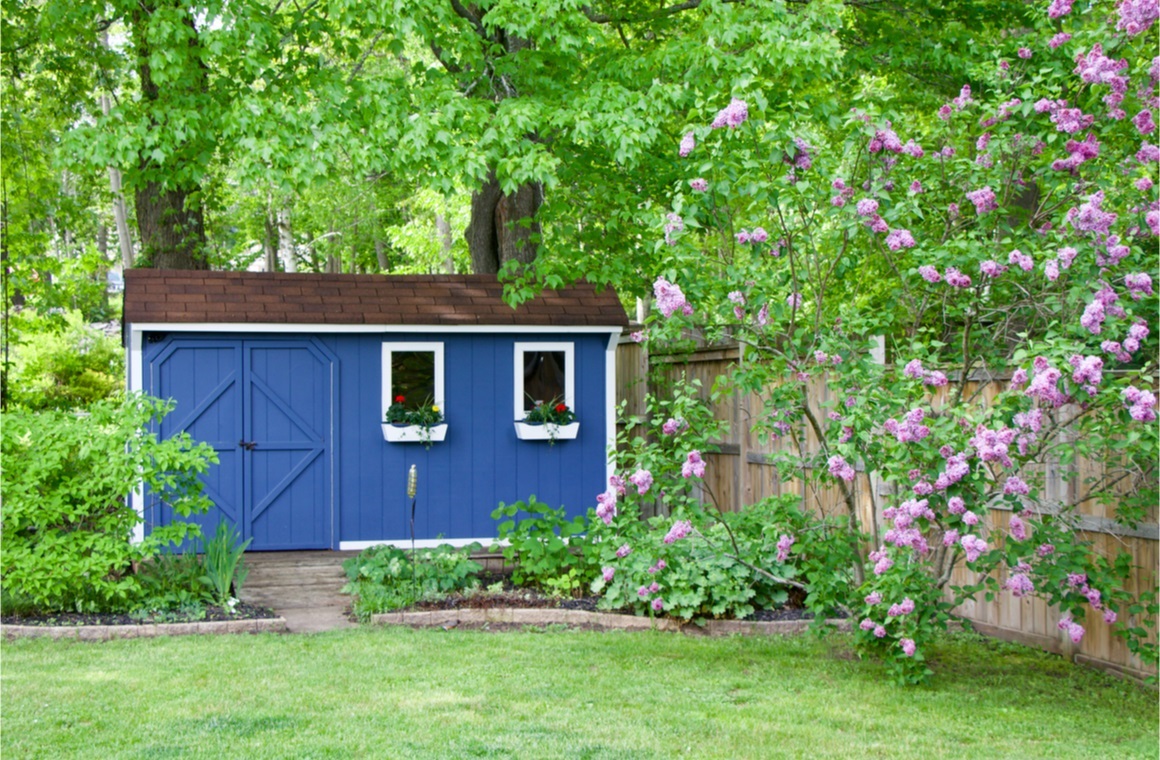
[402,693]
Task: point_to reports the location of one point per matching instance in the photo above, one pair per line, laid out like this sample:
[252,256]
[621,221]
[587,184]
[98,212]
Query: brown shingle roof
[167,296]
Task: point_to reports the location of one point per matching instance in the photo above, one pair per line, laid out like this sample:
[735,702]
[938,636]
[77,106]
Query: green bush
[172,583]
[546,549]
[61,363]
[384,578]
[65,524]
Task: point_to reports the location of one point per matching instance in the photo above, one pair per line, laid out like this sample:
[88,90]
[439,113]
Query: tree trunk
[120,212]
[170,219]
[444,230]
[269,246]
[503,227]
[286,241]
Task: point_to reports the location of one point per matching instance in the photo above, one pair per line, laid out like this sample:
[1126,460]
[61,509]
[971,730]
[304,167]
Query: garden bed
[245,618]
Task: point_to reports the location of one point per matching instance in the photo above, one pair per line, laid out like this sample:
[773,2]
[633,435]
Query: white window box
[546,431]
[414,433]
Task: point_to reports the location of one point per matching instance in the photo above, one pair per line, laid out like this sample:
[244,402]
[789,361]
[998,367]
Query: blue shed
[289,378]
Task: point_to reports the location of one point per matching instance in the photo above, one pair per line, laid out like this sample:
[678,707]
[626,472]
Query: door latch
[248,445]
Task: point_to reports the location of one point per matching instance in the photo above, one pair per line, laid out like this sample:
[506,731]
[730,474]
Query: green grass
[401,693]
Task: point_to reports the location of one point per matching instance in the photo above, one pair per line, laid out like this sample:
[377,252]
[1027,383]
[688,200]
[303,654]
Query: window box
[414,433]
[546,431]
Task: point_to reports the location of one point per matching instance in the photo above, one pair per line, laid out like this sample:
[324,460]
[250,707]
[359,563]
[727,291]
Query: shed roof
[180,296]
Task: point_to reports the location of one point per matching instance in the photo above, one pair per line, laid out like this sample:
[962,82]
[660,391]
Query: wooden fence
[743,472]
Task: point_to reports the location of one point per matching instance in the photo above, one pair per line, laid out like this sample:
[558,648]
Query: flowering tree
[1010,237]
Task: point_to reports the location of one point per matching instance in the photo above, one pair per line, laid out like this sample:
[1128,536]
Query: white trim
[433,347]
[287,327]
[610,404]
[135,368]
[520,347]
[420,543]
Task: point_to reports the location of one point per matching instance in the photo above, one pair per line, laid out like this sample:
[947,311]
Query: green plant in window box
[423,417]
[553,412]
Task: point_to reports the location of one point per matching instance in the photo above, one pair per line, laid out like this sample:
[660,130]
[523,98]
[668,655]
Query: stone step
[289,576]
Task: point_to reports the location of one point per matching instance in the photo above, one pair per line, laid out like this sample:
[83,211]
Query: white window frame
[390,348]
[569,350]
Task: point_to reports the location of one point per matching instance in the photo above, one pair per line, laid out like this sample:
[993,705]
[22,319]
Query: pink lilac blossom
[1109,617]
[688,142]
[1058,40]
[1088,369]
[1139,285]
[1142,403]
[973,546]
[1024,53]
[885,139]
[1021,260]
[879,631]
[873,599]
[839,468]
[913,149]
[699,184]
[658,604]
[991,268]
[956,469]
[654,587]
[673,426]
[670,299]
[897,239]
[1016,487]
[1137,16]
[950,538]
[1078,152]
[1069,120]
[759,235]
[867,207]
[1148,153]
[877,224]
[643,481]
[1138,331]
[1059,8]
[642,591]
[898,610]
[1045,550]
[916,187]
[693,466]
[1020,585]
[783,546]
[639,336]
[623,551]
[742,237]
[913,369]
[1144,123]
[680,529]
[606,506]
[944,112]
[993,445]
[957,279]
[1045,387]
[1093,317]
[794,300]
[867,625]
[609,573]
[1051,270]
[1073,629]
[732,115]
[1019,376]
[882,561]
[617,484]
[930,274]
[970,518]
[1066,256]
[984,199]
[763,316]
[1144,184]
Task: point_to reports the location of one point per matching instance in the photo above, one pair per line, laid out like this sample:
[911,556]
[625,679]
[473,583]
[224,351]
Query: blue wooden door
[204,378]
[288,392]
[267,409]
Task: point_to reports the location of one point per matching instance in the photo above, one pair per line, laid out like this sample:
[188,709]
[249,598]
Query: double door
[267,408]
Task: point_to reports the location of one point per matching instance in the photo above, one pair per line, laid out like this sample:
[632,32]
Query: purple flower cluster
[903,608]
[732,115]
[991,268]
[994,445]
[693,466]
[1073,629]
[606,506]
[1014,486]
[688,142]
[840,468]
[882,561]
[674,225]
[670,299]
[1094,67]
[1140,404]
[984,199]
[1021,260]
[930,274]
[908,647]
[973,546]
[1137,16]
[699,184]
[1077,153]
[680,529]
[784,543]
[1059,8]
[910,429]
[608,573]
[643,481]
[903,533]
[897,239]
[1020,585]
[1017,528]
[623,551]
[673,426]
[1139,285]
[1089,372]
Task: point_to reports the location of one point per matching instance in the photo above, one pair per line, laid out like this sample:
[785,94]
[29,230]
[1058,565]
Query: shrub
[224,570]
[61,363]
[384,578]
[66,524]
[546,549]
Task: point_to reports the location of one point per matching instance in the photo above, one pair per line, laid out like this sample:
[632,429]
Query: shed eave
[304,327]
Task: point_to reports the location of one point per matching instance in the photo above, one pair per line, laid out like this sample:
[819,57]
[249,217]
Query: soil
[524,598]
[213,613]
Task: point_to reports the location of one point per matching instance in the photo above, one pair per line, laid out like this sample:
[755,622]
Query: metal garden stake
[412,489]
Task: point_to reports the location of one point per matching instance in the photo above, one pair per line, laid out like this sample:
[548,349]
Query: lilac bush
[1005,246]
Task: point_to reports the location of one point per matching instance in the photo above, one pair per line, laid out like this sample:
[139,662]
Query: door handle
[248,445]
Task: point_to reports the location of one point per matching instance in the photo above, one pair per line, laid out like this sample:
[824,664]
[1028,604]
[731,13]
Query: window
[415,372]
[544,372]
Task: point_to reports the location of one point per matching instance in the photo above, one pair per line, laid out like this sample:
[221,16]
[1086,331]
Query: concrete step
[272,577]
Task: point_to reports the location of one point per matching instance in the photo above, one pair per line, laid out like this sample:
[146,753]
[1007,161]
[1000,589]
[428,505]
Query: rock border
[600,620]
[144,630]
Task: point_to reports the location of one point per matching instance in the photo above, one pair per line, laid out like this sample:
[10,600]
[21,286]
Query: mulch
[213,613]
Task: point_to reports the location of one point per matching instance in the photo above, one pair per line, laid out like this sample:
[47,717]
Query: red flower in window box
[561,408]
[400,399]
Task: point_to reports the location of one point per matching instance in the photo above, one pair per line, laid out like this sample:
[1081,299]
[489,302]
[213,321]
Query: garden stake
[412,489]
